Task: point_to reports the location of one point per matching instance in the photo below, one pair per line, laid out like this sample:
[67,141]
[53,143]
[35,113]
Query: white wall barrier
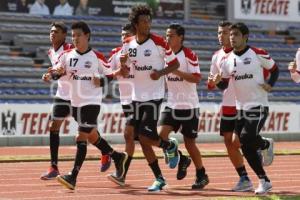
[28,124]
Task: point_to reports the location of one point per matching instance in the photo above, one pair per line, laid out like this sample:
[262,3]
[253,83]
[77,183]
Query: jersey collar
[239,53]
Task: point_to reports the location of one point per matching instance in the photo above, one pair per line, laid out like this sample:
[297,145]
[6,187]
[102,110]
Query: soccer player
[61,103]
[294,68]
[125,89]
[147,55]
[244,67]
[228,110]
[80,65]
[182,107]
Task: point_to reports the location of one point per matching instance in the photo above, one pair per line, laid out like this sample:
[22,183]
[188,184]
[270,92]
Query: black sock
[127,164]
[54,144]
[103,146]
[200,172]
[242,172]
[165,144]
[155,169]
[80,156]
[264,177]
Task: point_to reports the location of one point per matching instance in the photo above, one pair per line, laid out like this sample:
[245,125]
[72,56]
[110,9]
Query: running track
[21,181]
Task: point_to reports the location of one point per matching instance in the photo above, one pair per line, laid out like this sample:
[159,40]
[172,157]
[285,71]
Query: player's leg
[227,125]
[60,110]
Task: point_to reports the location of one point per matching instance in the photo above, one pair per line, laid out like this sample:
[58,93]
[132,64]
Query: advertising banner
[33,120]
[267,10]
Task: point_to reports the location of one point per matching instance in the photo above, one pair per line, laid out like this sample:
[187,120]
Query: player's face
[143,25]
[79,39]
[223,36]
[57,35]
[125,34]
[172,38]
[237,40]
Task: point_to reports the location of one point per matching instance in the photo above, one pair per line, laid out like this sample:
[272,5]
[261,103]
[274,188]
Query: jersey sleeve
[214,69]
[112,61]
[266,61]
[224,67]
[192,63]
[61,61]
[104,67]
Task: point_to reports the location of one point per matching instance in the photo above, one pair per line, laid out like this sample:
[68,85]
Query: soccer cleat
[119,181]
[243,185]
[50,174]
[183,164]
[120,164]
[263,187]
[200,183]
[268,154]
[105,163]
[172,154]
[67,180]
[157,185]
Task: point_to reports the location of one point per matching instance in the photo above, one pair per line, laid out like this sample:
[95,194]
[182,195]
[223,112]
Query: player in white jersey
[228,110]
[182,107]
[81,65]
[294,68]
[147,55]
[244,67]
[61,104]
[125,89]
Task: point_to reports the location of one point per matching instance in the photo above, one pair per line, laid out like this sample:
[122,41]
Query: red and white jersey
[154,53]
[125,84]
[296,76]
[228,100]
[63,85]
[80,69]
[246,72]
[181,93]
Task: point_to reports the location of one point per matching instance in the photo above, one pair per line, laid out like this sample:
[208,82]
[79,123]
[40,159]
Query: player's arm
[212,73]
[294,68]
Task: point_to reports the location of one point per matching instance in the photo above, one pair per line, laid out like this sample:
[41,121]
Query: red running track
[21,181]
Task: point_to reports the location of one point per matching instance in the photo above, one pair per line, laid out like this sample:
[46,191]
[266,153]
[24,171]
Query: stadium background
[26,101]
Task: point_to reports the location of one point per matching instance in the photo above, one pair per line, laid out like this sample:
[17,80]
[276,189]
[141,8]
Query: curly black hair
[138,10]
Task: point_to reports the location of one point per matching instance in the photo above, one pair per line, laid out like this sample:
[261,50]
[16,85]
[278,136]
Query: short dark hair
[224,23]
[138,10]
[60,25]
[178,28]
[127,27]
[241,27]
[81,25]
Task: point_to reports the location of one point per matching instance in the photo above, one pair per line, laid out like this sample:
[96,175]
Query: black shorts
[146,115]
[61,109]
[128,113]
[227,123]
[187,120]
[249,123]
[86,116]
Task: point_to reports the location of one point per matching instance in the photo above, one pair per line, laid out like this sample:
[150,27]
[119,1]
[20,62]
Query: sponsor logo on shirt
[82,78]
[247,61]
[242,77]
[143,68]
[147,52]
[88,64]
[174,78]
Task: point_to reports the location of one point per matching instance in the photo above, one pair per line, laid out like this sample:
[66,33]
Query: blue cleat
[172,154]
[157,185]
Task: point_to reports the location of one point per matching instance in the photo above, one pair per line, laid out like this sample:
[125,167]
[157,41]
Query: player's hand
[155,75]
[123,59]
[96,81]
[217,78]
[46,77]
[124,71]
[266,87]
[210,80]
[292,67]
[49,69]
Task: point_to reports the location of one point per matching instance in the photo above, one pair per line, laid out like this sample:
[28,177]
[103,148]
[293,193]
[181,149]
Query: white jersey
[228,100]
[296,76]
[181,93]
[154,53]
[80,68]
[246,73]
[63,85]
[125,84]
